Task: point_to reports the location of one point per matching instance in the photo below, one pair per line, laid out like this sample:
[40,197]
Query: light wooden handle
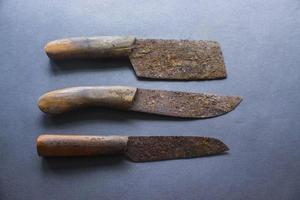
[90,47]
[79,145]
[64,100]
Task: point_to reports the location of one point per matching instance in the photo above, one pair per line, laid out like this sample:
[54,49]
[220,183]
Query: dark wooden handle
[64,100]
[78,145]
[90,47]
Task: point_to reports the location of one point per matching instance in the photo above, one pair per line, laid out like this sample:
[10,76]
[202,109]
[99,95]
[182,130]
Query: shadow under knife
[99,114]
[70,164]
[95,65]
[91,65]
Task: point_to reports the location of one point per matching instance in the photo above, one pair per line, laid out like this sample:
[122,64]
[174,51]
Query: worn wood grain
[80,145]
[90,47]
[64,100]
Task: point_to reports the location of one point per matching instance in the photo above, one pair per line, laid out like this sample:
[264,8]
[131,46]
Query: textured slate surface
[261,45]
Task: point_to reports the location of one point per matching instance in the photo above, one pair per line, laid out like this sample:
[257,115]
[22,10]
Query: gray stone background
[261,45]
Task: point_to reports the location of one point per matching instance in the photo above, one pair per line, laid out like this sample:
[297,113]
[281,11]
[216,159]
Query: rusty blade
[183,104]
[151,148]
[178,59]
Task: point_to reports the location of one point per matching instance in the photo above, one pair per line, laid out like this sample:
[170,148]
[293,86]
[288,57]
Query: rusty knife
[135,148]
[150,58]
[161,102]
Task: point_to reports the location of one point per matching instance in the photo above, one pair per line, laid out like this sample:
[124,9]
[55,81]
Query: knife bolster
[64,100]
[90,47]
[78,145]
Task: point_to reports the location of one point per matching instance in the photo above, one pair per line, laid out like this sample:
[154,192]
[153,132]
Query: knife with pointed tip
[135,148]
[150,58]
[161,102]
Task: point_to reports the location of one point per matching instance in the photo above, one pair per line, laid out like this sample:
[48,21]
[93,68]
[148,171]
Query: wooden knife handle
[64,100]
[79,145]
[90,47]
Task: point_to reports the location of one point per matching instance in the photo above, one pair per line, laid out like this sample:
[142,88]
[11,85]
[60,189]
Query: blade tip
[237,100]
[221,146]
[225,147]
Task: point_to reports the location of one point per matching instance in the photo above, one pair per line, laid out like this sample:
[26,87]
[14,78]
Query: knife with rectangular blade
[150,58]
[161,102]
[135,148]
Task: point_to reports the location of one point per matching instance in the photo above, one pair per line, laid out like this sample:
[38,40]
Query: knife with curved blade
[135,148]
[161,102]
[150,58]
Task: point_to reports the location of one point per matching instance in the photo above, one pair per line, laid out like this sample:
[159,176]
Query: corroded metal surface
[183,104]
[178,59]
[142,149]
